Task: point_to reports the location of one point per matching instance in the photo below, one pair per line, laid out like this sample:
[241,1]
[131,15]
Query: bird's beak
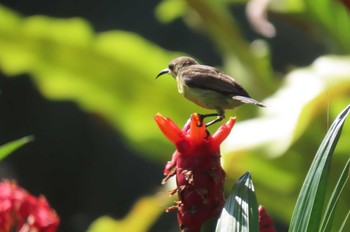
[166,70]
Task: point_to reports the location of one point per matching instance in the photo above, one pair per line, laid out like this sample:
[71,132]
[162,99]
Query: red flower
[20,210]
[196,164]
[265,222]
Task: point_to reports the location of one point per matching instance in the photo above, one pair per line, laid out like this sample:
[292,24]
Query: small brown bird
[207,87]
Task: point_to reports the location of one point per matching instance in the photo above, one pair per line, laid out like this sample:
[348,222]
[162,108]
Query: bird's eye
[171,66]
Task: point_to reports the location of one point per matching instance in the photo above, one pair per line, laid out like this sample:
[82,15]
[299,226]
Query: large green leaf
[111,73]
[240,212]
[10,147]
[308,209]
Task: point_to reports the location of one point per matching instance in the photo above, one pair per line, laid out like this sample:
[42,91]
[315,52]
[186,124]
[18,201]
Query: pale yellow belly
[208,98]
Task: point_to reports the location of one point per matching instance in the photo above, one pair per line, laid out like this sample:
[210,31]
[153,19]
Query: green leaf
[308,209]
[8,148]
[344,222]
[241,209]
[287,6]
[111,73]
[329,213]
[334,17]
[141,216]
[169,10]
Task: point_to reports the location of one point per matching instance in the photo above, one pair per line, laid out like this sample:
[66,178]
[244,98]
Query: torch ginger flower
[20,211]
[196,164]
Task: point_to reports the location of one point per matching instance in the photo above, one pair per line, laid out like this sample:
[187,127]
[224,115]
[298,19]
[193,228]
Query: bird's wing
[206,77]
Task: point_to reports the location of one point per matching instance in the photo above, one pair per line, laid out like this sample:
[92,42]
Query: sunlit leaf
[290,6]
[240,212]
[10,147]
[111,73]
[305,92]
[169,10]
[308,209]
[140,218]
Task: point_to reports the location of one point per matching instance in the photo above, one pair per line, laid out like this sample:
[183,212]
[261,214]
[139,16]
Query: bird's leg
[203,116]
[218,119]
[220,116]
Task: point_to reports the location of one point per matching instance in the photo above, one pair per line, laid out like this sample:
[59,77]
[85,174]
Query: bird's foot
[203,116]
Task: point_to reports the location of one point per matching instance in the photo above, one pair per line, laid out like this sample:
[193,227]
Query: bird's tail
[248,100]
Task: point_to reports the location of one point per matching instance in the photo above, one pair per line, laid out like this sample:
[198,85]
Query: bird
[207,87]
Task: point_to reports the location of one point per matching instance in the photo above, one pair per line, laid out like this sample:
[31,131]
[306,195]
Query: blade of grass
[241,209]
[8,148]
[329,215]
[344,222]
[308,210]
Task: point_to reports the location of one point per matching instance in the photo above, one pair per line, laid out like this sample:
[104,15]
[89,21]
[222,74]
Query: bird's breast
[206,98]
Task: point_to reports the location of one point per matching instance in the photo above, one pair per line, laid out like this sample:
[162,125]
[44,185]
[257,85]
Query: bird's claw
[203,116]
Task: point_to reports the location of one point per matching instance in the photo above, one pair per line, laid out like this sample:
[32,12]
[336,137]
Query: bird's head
[177,64]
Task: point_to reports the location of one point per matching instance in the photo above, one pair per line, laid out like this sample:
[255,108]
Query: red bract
[196,164]
[20,210]
[10,195]
[265,222]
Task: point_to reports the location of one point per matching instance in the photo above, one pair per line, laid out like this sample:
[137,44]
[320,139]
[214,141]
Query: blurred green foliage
[112,74]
